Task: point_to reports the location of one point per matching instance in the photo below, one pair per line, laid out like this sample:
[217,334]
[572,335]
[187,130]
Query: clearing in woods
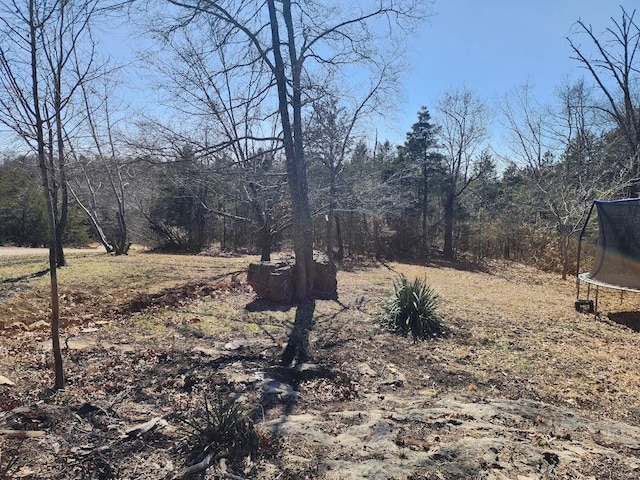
[522,387]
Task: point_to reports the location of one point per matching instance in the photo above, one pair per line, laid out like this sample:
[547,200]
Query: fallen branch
[143,428]
[198,467]
[23,433]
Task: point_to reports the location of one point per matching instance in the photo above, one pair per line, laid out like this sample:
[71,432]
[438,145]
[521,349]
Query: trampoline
[617,262]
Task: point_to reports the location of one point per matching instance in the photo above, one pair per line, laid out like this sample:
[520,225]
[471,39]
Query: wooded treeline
[223,182]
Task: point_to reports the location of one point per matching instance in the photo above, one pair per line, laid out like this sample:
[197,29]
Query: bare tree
[39,42]
[615,68]
[463,119]
[237,135]
[331,135]
[375,192]
[560,152]
[296,43]
[103,168]
[528,128]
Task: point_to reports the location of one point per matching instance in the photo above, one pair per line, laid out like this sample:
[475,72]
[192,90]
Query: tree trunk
[449,220]
[265,243]
[330,216]
[340,252]
[425,207]
[223,240]
[61,225]
[93,217]
[565,256]
[122,243]
[376,238]
[236,230]
[293,147]
[62,220]
[51,217]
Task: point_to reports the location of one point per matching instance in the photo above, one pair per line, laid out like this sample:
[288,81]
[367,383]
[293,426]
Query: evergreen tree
[424,171]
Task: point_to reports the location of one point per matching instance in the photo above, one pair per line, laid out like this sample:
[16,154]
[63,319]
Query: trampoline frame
[591,306]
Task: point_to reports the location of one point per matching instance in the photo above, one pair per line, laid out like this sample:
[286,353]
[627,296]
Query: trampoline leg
[596,306]
[585,306]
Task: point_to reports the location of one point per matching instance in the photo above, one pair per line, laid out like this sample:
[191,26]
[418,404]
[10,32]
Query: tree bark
[564,245]
[292,139]
[330,217]
[449,221]
[425,210]
[265,243]
[340,252]
[47,188]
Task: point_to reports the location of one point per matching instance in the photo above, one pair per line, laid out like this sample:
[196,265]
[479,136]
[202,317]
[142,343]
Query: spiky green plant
[412,308]
[220,426]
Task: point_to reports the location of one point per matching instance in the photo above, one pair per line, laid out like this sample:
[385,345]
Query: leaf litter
[523,387]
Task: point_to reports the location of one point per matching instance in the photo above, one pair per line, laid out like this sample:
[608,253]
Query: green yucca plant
[220,426]
[412,308]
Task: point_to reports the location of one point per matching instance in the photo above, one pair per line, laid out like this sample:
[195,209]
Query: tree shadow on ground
[626,319]
[294,355]
[264,305]
[461,265]
[363,264]
[28,276]
[297,349]
[358,264]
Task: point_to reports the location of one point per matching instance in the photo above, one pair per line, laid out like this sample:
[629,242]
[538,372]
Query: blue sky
[493,46]
[488,46]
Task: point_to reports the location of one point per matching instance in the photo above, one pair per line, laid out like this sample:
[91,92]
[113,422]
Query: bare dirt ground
[522,387]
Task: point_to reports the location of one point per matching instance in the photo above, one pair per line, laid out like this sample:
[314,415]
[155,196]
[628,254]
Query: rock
[393,377]
[210,352]
[274,280]
[79,343]
[18,326]
[271,281]
[233,345]
[280,388]
[5,381]
[365,369]
[142,428]
[325,284]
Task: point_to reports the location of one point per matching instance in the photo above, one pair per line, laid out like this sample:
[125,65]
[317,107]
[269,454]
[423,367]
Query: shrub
[220,428]
[412,308]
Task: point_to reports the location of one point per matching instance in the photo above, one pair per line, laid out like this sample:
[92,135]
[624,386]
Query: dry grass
[513,330]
